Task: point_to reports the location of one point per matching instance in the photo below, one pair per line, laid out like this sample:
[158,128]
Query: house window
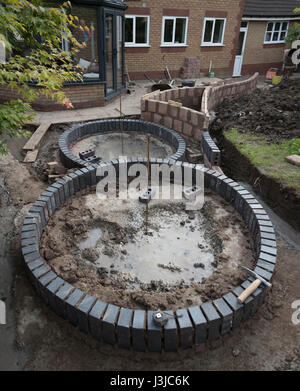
[213,32]
[137,30]
[276,32]
[174,31]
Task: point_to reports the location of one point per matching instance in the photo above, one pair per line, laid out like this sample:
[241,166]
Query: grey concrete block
[29,242]
[35,264]
[138,331]
[29,234]
[263,273]
[269,243]
[82,312]
[154,334]
[267,257]
[30,249]
[94,318]
[226,314]
[60,296]
[267,235]
[236,307]
[71,310]
[75,181]
[256,296]
[55,193]
[44,208]
[61,191]
[65,186]
[31,257]
[248,304]
[171,340]
[43,282]
[266,265]
[50,196]
[81,179]
[47,200]
[200,324]
[52,288]
[109,324]
[213,320]
[186,330]
[124,328]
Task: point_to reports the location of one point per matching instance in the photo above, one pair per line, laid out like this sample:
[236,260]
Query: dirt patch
[224,233]
[24,187]
[274,113]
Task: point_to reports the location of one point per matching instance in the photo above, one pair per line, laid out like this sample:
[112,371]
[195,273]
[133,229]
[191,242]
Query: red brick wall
[153,60]
[259,57]
[155,107]
[81,96]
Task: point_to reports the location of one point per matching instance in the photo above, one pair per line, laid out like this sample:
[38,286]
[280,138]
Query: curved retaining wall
[214,95]
[131,328]
[97,127]
[194,116]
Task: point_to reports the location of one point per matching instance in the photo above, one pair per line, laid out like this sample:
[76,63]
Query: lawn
[269,158]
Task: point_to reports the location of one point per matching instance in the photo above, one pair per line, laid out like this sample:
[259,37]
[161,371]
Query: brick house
[236,37]
[265,25]
[161,33]
[233,37]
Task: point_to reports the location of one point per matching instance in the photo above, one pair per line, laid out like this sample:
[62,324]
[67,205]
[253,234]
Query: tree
[294,32]
[32,36]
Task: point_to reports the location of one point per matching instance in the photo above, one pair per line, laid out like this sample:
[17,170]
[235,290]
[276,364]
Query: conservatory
[101,60]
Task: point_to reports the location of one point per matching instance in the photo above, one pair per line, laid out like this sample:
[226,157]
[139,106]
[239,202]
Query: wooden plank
[31,156]
[35,139]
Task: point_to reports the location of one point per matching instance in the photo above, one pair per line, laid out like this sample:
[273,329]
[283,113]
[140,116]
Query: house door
[238,63]
[113,52]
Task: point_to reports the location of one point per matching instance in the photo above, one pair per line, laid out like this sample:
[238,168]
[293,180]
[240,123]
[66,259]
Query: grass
[269,158]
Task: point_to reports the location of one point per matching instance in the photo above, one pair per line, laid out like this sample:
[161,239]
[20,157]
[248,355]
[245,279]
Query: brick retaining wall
[214,95]
[185,120]
[193,117]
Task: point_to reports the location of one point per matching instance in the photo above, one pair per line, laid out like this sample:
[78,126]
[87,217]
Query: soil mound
[274,112]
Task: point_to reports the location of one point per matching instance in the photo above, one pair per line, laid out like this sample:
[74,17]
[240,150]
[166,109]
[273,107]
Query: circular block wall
[97,127]
[134,329]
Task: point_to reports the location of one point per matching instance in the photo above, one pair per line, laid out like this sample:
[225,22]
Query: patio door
[238,63]
[113,52]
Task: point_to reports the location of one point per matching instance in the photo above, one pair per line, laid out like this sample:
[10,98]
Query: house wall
[154,59]
[259,57]
[81,96]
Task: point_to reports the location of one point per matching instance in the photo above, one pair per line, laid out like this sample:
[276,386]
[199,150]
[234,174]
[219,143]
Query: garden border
[135,329]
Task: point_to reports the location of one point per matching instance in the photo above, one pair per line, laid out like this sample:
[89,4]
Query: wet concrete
[175,248]
[108,146]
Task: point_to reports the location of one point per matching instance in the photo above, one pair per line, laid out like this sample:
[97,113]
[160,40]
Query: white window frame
[173,43]
[213,30]
[273,31]
[133,43]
